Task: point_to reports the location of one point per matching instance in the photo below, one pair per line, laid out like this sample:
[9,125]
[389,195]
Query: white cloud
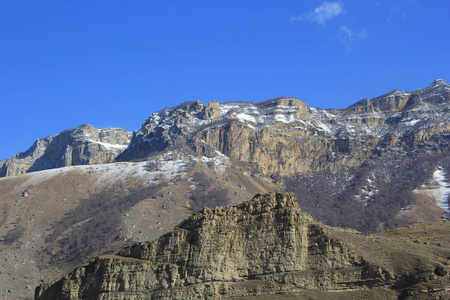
[322,13]
[396,13]
[348,36]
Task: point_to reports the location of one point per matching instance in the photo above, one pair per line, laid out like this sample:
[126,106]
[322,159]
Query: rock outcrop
[79,146]
[261,247]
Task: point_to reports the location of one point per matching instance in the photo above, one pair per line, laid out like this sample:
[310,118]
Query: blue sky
[113,63]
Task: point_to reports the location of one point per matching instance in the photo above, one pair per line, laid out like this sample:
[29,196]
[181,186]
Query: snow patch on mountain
[285,119]
[243,117]
[164,169]
[220,162]
[439,190]
[411,122]
[405,209]
[263,117]
[109,146]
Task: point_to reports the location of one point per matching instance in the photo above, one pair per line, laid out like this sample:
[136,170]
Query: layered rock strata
[264,246]
[284,136]
[278,137]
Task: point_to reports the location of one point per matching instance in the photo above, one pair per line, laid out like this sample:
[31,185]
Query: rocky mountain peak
[260,204]
[178,126]
[399,100]
[266,134]
[437,83]
[81,145]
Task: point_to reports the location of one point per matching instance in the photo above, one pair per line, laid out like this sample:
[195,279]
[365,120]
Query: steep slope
[82,145]
[261,247]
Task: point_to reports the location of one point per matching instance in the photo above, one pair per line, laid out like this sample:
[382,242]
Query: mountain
[381,163]
[278,137]
[284,136]
[83,145]
[359,167]
[263,247]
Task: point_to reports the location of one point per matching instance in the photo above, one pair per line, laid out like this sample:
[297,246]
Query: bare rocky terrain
[379,164]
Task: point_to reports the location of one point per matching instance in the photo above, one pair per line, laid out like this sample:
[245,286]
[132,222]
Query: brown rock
[79,146]
[212,111]
[264,246]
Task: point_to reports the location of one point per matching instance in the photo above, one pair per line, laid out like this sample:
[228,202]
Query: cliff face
[79,146]
[279,137]
[55,220]
[284,136]
[264,246]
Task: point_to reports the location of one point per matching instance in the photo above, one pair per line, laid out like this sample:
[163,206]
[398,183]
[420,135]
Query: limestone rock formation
[55,220]
[360,150]
[284,136]
[212,111]
[79,146]
[262,247]
[279,137]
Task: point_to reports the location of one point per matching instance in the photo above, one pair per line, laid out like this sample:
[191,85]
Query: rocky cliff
[262,247]
[279,137]
[284,136]
[79,146]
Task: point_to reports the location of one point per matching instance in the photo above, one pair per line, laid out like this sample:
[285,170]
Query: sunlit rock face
[261,247]
[82,145]
[284,136]
[279,137]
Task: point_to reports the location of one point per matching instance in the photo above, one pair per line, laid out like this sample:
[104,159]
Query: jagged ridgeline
[279,137]
[266,247]
[362,167]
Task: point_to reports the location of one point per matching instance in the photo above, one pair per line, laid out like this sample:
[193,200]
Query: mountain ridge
[394,101]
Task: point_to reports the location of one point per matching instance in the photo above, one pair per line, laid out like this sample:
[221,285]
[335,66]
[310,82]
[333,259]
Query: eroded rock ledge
[261,247]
